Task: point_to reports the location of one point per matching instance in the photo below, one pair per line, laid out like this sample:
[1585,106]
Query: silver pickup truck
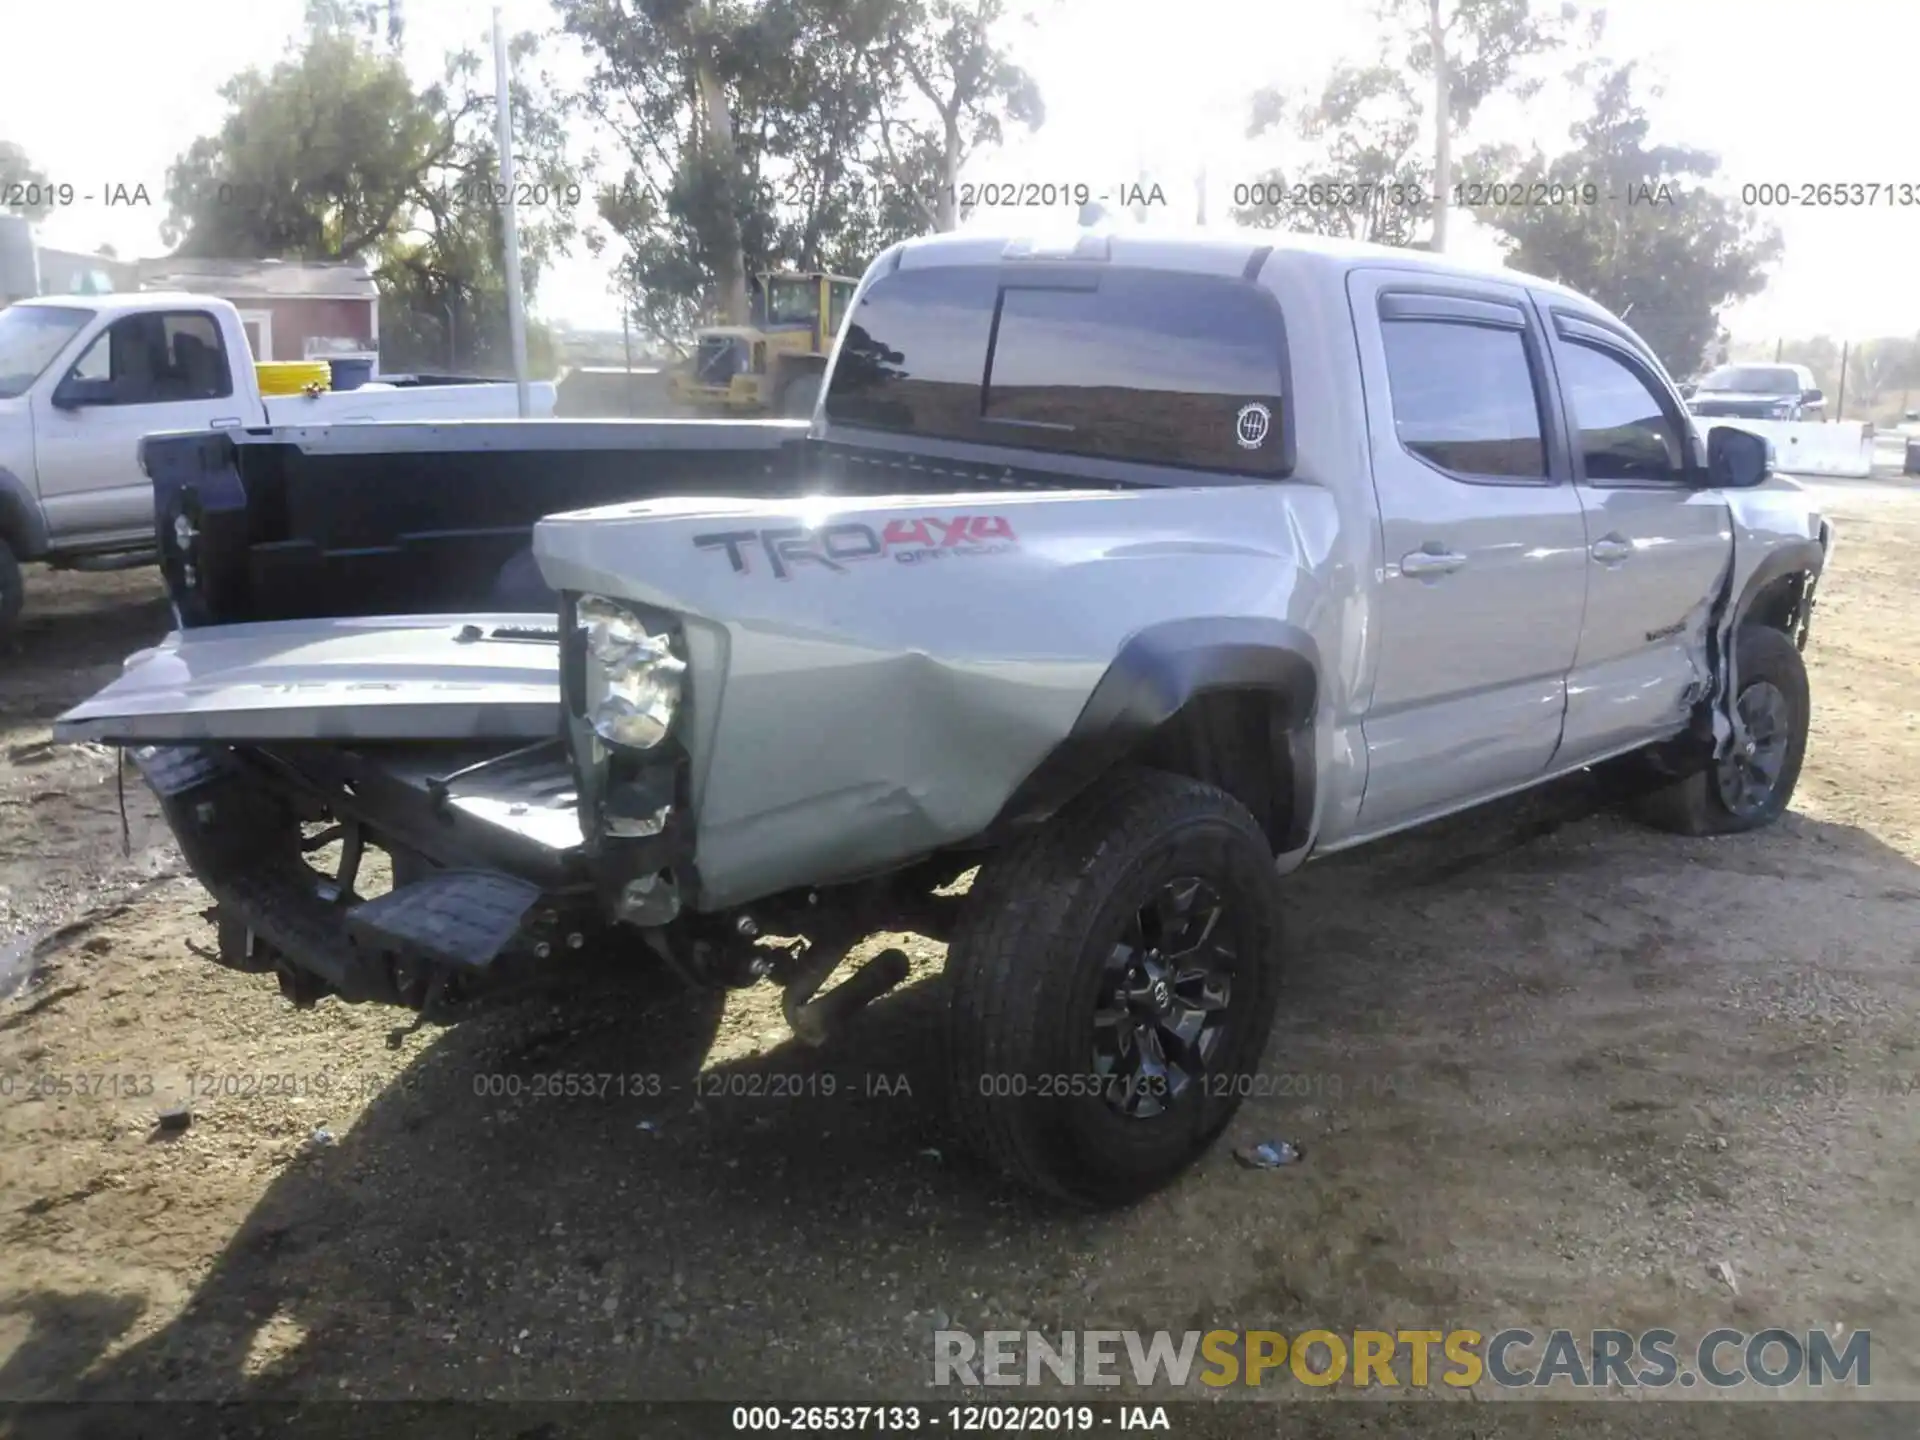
[1134,571]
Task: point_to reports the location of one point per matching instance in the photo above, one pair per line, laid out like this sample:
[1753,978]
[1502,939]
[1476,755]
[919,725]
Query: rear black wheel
[1751,785]
[1112,983]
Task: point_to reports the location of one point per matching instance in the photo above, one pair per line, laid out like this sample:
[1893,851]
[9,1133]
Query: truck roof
[1223,250]
[128,302]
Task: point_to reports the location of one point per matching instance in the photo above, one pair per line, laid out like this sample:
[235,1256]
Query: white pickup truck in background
[83,379]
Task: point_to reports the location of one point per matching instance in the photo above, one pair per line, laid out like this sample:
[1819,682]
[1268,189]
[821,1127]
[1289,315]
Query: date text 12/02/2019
[1467,195]
[1039,194]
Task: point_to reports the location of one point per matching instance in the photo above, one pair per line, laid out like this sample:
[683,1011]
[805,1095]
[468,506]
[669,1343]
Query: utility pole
[626,344]
[1840,406]
[516,312]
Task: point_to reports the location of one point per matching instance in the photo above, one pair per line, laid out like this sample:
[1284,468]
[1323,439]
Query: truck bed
[296,522]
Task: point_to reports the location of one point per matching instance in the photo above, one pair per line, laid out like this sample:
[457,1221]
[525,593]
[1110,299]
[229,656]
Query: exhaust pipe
[814,1020]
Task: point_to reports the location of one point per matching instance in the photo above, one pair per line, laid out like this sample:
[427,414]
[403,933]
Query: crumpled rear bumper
[489,879]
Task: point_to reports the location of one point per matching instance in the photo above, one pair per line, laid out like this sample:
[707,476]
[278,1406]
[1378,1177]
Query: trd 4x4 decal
[907,541]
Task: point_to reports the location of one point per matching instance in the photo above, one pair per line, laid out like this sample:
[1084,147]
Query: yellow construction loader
[774,364]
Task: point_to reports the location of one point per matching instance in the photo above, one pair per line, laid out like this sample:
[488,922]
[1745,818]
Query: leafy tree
[1659,244]
[17,170]
[949,92]
[763,134]
[1365,177]
[332,154]
[1470,50]
[319,158]
[442,278]
[691,88]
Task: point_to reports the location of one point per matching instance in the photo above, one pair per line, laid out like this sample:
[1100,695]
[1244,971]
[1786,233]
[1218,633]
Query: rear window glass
[915,354]
[1148,366]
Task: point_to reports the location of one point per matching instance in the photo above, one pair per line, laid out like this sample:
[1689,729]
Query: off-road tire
[13,592]
[1701,804]
[1026,968]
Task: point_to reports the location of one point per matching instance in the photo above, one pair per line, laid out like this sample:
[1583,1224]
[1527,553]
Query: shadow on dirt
[774,1226]
[74,632]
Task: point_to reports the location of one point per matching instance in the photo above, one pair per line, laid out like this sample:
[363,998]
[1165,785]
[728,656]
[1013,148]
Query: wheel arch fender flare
[1154,675]
[22,525]
[1796,558]
[1714,722]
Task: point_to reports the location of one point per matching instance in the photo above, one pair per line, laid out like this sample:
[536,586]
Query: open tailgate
[388,677]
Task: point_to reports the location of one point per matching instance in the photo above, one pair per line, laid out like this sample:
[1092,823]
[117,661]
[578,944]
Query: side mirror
[1737,459]
[1687,389]
[1813,397]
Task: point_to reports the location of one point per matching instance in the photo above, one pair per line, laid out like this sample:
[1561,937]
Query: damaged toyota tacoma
[1134,571]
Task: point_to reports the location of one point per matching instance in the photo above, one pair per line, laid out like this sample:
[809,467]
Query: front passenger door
[1658,544]
[142,375]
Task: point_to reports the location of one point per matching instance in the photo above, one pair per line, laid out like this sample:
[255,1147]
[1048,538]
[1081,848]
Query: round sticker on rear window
[1251,425]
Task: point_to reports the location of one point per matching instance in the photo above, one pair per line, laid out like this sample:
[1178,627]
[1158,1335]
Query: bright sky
[1784,93]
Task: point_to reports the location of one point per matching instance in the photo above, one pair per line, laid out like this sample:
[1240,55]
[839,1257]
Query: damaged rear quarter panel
[846,716]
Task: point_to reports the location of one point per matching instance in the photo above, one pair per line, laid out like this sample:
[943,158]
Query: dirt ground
[1547,1068]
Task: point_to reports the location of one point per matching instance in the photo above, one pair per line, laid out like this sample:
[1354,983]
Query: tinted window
[1463,397]
[1157,367]
[1165,368]
[840,296]
[153,360]
[1620,426]
[916,353]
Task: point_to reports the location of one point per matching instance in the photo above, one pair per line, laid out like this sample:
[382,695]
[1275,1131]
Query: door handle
[225,422]
[1611,549]
[1423,564]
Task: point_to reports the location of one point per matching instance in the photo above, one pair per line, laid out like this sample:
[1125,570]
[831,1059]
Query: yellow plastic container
[291,377]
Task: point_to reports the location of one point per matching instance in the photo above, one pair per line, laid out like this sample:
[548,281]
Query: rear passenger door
[1658,542]
[1478,614]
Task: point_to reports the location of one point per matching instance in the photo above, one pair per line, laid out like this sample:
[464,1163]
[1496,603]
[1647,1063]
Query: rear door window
[1463,398]
[1154,367]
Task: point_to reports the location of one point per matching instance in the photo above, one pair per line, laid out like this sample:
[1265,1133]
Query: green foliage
[1661,245]
[767,134]
[1366,176]
[1486,44]
[319,158]
[1367,142]
[16,169]
[333,155]
[947,91]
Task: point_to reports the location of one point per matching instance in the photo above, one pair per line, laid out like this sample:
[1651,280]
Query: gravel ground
[1548,1069]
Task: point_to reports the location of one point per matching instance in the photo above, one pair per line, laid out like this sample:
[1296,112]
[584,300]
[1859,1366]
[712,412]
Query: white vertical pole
[516,313]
